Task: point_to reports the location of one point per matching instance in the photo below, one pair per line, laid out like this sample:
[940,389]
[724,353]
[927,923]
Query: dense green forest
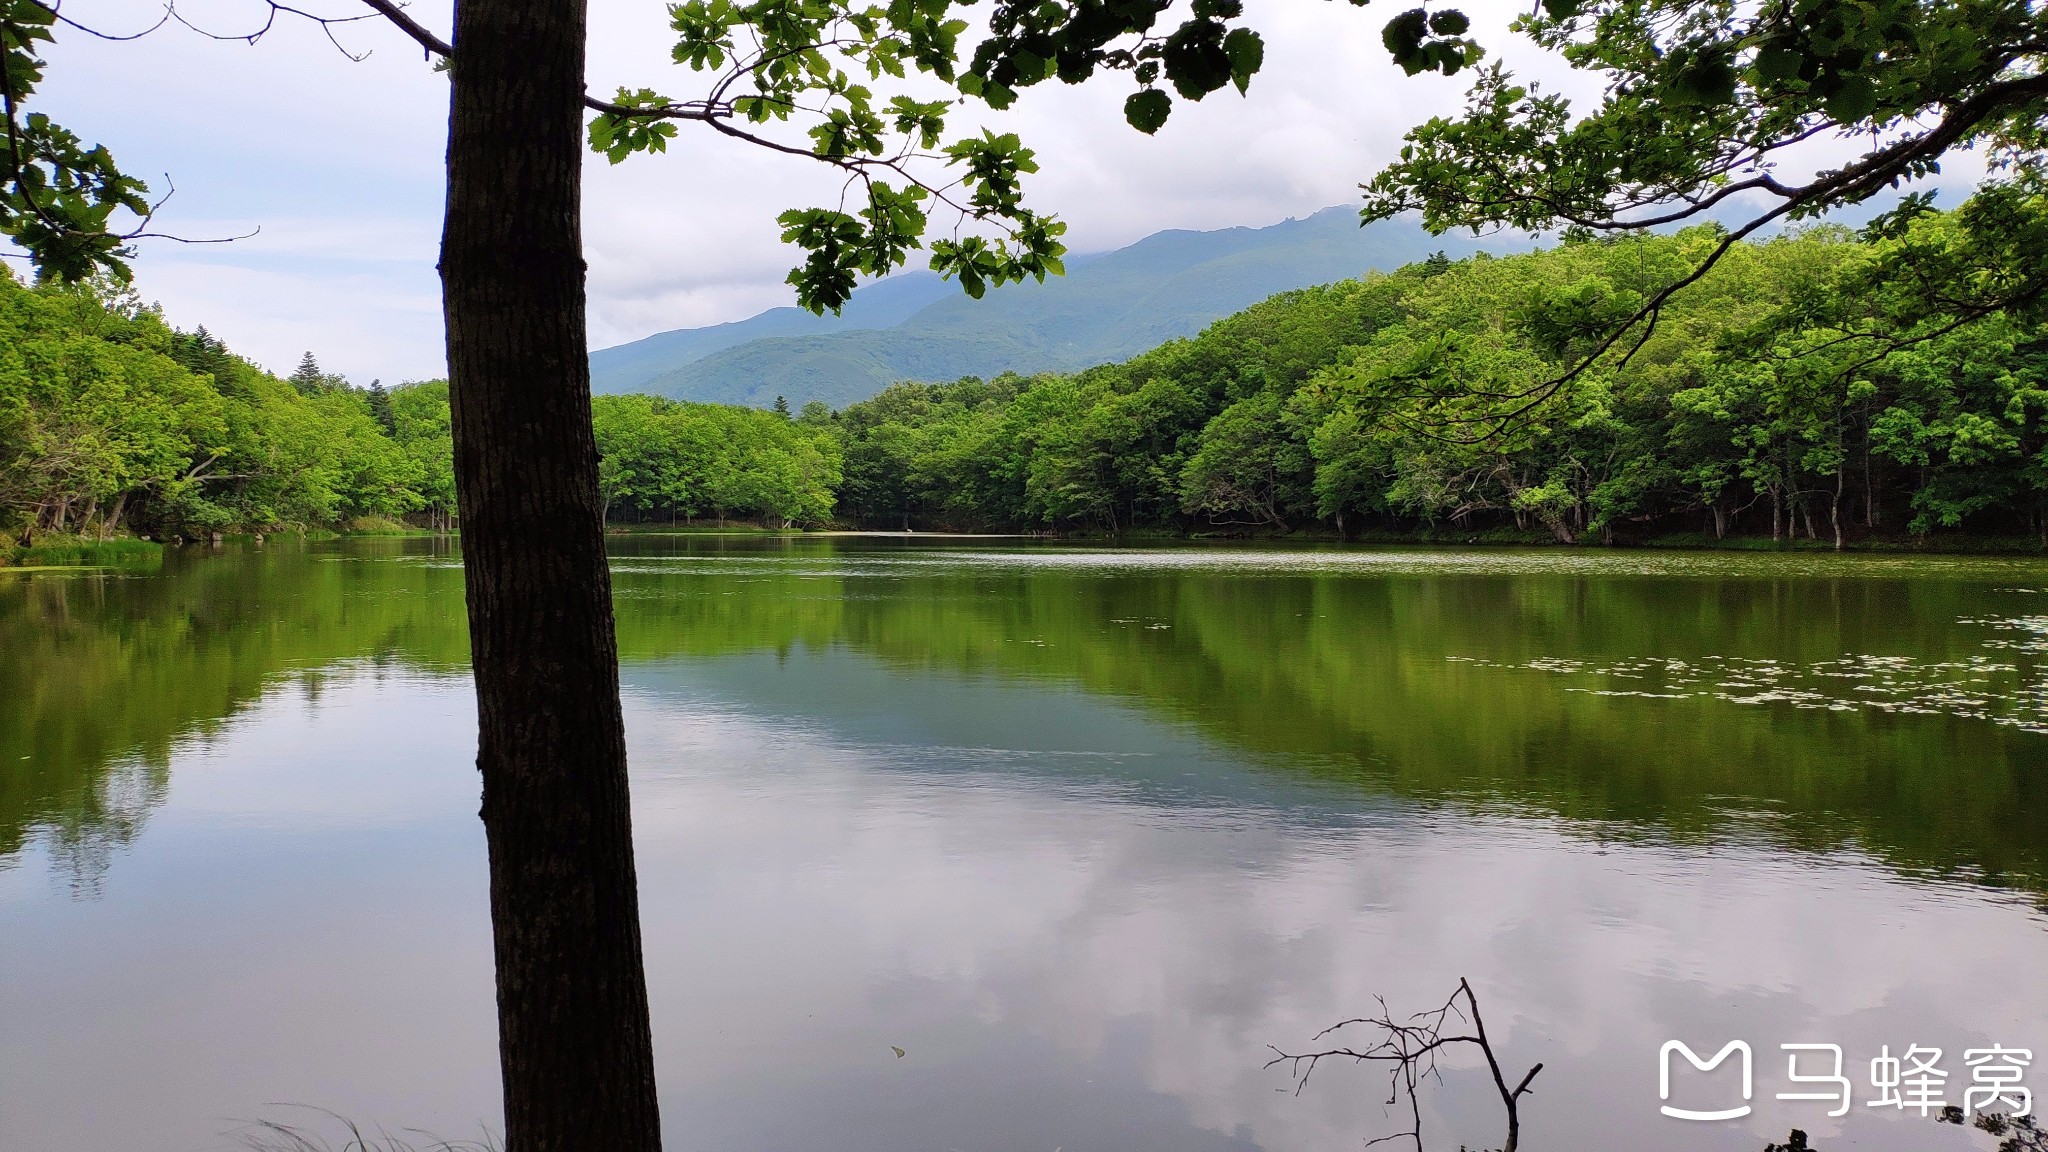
[1824,384]
[112,422]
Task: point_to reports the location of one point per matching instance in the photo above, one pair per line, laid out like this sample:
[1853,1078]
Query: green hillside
[1108,307]
[883,304]
[1824,385]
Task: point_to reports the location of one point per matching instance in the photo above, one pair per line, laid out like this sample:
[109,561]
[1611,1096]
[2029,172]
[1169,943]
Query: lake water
[1082,831]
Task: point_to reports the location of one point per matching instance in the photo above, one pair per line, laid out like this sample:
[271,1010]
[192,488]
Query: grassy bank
[120,552]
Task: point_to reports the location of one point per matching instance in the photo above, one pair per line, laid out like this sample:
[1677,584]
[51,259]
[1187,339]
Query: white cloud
[356,321]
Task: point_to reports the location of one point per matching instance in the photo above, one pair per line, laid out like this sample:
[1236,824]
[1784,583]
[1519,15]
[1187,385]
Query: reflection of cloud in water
[809,903]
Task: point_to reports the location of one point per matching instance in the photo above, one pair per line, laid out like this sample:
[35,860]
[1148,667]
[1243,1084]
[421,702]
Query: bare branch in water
[1410,1047]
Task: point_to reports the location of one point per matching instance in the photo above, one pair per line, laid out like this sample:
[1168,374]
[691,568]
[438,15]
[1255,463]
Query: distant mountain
[917,327]
[883,304]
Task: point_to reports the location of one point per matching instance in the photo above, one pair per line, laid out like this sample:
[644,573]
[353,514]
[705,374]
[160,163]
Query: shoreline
[133,552]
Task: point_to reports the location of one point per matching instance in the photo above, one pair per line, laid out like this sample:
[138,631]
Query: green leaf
[1706,83]
[1449,22]
[1777,65]
[1147,110]
[1852,100]
[1247,52]
[1403,37]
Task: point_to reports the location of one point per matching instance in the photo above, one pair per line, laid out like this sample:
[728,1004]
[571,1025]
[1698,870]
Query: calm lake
[1082,831]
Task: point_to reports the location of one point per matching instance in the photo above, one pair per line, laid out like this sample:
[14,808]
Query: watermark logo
[1996,1073]
[1922,1080]
[1914,1079]
[1693,1058]
[1832,1077]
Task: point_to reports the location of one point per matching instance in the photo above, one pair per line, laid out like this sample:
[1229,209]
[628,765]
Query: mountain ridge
[915,326]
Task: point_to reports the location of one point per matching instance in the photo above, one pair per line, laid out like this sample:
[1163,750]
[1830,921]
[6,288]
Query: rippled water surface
[1082,831]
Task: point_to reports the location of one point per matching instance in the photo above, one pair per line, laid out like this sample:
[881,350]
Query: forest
[1824,384]
[112,422]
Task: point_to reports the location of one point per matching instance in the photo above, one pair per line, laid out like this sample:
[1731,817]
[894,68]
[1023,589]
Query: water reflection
[1848,697]
[992,910]
[1081,832]
[104,675]
[1510,681]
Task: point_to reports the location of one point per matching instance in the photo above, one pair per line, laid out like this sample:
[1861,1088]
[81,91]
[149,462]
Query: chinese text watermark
[1916,1079]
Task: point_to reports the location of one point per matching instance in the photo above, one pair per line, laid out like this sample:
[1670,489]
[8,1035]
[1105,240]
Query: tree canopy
[1756,405]
[1780,394]
[1705,103]
[1704,98]
[112,421]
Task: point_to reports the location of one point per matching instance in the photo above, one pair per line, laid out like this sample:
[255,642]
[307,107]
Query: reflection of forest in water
[1888,705]
[106,674]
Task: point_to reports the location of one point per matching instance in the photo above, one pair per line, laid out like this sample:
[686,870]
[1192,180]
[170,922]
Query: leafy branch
[1704,98]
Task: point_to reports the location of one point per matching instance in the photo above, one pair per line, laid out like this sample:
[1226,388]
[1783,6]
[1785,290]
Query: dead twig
[1410,1047]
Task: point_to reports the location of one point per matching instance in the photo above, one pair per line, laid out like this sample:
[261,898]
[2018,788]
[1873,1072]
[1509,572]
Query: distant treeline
[664,460]
[112,422]
[1826,384]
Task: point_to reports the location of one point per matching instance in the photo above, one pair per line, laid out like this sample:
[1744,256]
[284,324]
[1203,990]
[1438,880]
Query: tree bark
[1835,508]
[574,1040]
[112,524]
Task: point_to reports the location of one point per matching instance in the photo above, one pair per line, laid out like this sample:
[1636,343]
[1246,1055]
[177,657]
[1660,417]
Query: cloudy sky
[339,165]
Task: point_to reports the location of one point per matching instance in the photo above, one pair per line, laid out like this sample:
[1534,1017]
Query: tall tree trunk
[574,1041]
[112,524]
[1835,508]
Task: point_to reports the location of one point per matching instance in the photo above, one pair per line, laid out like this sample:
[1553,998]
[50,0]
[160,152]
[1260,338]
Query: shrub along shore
[1803,393]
